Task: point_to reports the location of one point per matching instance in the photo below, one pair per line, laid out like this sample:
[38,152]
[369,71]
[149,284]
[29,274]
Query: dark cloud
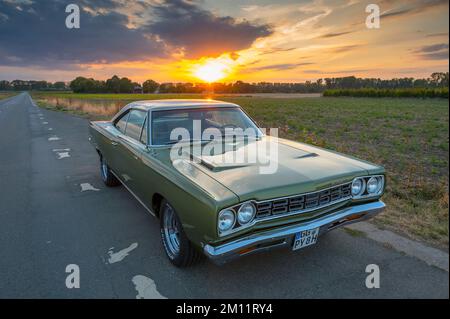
[280,67]
[277,50]
[442,55]
[323,72]
[437,51]
[396,13]
[333,35]
[345,48]
[433,48]
[33,33]
[413,7]
[199,32]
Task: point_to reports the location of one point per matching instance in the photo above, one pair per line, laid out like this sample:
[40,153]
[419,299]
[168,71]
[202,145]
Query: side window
[121,124]
[144,132]
[135,123]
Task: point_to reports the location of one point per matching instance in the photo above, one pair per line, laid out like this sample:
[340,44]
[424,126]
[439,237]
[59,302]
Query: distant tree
[150,86]
[39,85]
[5,86]
[85,85]
[126,85]
[59,85]
[439,79]
[120,85]
[113,84]
[20,85]
[420,83]
[166,88]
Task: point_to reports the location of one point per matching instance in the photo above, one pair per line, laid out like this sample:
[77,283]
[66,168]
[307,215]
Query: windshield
[222,120]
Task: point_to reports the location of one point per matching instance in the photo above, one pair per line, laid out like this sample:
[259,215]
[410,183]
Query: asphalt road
[47,223]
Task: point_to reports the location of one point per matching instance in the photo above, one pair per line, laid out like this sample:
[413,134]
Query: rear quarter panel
[101,136]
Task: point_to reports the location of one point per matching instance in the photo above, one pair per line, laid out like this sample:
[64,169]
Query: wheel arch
[157,199]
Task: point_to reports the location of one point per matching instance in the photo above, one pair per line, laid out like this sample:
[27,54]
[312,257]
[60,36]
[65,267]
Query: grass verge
[5,95]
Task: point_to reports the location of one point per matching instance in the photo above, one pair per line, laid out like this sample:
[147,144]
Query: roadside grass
[47,106]
[408,136]
[5,95]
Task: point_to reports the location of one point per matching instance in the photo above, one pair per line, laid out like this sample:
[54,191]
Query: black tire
[187,254]
[105,172]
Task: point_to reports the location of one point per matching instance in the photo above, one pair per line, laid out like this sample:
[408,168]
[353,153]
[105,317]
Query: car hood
[297,168]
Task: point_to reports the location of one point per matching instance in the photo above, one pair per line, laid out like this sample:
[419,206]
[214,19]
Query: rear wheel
[107,176]
[176,245]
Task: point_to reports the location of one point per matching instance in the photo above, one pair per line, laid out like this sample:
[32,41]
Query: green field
[406,92]
[408,136]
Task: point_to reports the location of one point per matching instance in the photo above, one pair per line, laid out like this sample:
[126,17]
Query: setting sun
[213,69]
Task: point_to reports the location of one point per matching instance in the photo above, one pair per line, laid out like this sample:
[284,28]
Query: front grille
[303,202]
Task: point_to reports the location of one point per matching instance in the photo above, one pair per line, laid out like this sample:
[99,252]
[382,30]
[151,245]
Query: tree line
[21,85]
[124,85]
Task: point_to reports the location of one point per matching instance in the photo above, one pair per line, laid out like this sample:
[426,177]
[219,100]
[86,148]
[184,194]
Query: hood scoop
[211,163]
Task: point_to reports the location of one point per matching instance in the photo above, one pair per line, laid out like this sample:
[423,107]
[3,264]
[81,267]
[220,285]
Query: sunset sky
[249,40]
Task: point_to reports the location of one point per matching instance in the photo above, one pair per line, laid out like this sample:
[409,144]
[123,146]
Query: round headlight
[226,220]
[374,185]
[246,213]
[357,187]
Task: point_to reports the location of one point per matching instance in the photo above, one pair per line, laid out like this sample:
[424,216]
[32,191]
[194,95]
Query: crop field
[406,92]
[409,136]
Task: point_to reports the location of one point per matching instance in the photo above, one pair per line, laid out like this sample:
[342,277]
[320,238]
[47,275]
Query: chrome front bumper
[284,236]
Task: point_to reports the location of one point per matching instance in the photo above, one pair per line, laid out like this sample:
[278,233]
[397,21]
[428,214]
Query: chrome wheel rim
[171,232]
[104,169]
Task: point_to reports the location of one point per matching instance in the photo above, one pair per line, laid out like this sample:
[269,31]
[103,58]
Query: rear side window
[135,122]
[121,124]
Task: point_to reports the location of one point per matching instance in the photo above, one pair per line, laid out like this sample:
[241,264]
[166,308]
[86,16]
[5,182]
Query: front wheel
[176,245]
[107,176]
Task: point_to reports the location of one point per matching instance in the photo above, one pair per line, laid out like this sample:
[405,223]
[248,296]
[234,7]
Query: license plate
[306,238]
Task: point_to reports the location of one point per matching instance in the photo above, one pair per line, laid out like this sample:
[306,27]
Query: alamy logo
[373,279]
[73,19]
[233,147]
[73,279]
[373,19]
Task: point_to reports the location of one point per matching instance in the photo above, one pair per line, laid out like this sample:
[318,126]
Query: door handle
[114,143]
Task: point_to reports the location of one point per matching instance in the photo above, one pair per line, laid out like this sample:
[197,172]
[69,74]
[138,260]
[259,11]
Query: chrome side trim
[284,236]
[135,196]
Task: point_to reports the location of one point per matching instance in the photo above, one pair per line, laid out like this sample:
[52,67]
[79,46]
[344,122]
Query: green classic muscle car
[221,209]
